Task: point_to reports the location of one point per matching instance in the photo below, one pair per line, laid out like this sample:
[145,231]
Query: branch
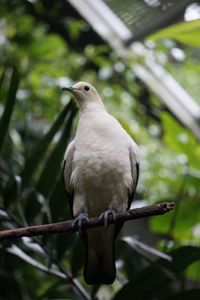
[148,211]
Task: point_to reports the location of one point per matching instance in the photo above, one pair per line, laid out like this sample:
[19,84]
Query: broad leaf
[158,275]
[33,205]
[58,202]
[9,106]
[12,190]
[186,33]
[53,164]
[33,162]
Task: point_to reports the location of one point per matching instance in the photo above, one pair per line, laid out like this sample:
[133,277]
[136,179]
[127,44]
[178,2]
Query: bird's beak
[69,89]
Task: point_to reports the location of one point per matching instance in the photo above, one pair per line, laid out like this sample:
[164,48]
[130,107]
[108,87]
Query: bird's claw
[81,219]
[105,216]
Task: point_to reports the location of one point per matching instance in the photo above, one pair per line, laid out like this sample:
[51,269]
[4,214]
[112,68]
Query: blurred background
[143,57]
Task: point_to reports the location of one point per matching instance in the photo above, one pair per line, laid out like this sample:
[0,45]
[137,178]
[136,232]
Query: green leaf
[59,209]
[47,48]
[58,202]
[53,164]
[193,271]
[183,228]
[133,260]
[57,290]
[64,242]
[148,282]
[10,102]
[186,33]
[15,250]
[33,205]
[33,162]
[12,190]
[144,249]
[2,79]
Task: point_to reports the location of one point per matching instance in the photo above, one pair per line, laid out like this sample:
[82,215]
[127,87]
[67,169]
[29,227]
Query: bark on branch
[148,211]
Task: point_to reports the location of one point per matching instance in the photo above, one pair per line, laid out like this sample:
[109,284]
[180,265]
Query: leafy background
[41,51]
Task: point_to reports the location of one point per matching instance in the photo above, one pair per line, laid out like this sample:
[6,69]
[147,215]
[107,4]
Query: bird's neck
[87,106]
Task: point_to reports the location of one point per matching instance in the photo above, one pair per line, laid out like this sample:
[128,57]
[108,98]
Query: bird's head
[84,93]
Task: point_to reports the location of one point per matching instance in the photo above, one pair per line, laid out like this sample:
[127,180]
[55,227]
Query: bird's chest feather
[101,164]
[101,152]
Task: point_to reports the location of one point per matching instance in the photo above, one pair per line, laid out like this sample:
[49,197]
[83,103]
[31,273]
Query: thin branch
[148,211]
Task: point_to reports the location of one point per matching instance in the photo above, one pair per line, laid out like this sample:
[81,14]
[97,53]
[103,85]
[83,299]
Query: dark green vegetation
[40,49]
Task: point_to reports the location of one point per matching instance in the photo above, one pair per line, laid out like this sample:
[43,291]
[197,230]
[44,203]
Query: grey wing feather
[134,160]
[135,170]
[67,172]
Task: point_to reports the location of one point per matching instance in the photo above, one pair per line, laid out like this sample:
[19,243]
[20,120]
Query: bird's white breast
[102,169]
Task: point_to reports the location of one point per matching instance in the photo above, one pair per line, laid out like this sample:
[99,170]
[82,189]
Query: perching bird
[101,169]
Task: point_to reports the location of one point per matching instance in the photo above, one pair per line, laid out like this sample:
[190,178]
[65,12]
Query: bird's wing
[135,170]
[134,161]
[67,172]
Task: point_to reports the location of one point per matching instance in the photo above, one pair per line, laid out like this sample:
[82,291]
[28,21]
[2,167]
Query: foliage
[186,33]
[177,48]
[38,121]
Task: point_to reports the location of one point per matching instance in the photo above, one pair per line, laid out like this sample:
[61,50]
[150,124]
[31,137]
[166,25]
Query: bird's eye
[86,88]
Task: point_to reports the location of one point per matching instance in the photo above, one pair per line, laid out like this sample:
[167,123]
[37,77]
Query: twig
[158,209]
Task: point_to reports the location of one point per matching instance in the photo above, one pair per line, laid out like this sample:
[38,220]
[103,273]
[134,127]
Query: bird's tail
[100,258]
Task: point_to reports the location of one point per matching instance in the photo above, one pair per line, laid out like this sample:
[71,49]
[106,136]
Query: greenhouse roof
[122,24]
[144,17]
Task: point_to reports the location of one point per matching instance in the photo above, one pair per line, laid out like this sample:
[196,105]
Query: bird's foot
[81,219]
[105,216]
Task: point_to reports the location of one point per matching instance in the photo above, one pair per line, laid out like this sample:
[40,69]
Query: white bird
[101,169]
